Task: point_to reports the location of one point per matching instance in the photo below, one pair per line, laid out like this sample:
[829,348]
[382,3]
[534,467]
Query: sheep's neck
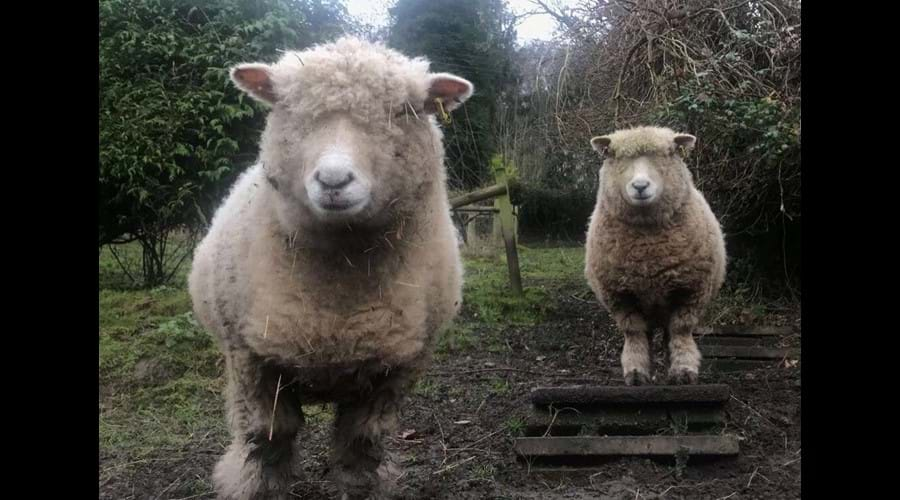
[662,215]
[348,248]
[652,218]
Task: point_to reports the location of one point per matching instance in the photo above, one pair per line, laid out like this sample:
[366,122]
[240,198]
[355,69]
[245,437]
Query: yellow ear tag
[445,118]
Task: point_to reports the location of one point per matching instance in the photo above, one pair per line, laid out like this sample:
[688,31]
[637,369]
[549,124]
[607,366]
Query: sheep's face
[639,176]
[350,139]
[639,180]
[326,165]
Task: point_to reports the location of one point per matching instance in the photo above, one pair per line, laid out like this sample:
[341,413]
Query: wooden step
[616,410]
[744,330]
[624,419]
[747,352]
[594,446]
[726,365]
[605,395]
[736,340]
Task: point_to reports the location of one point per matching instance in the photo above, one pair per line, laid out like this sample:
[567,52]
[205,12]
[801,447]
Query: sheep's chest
[327,315]
[658,269]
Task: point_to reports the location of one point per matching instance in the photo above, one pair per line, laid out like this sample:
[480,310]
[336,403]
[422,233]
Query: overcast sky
[536,27]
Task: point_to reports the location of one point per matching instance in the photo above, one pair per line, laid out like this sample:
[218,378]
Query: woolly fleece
[655,266]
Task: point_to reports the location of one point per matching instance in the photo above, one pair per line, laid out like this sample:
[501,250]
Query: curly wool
[336,297]
[674,258]
[346,313]
[350,75]
[637,141]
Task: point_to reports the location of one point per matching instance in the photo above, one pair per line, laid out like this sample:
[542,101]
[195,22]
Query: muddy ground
[488,388]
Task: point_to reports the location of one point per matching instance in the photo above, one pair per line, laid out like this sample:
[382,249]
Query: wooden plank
[621,414]
[730,340]
[621,420]
[619,394]
[746,352]
[762,331]
[735,365]
[582,446]
[476,196]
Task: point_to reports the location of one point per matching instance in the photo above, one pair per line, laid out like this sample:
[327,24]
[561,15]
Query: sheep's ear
[255,79]
[447,91]
[684,143]
[601,144]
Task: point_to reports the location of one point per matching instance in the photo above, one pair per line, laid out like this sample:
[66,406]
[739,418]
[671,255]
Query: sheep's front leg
[362,467]
[636,366]
[255,465]
[624,308]
[684,357]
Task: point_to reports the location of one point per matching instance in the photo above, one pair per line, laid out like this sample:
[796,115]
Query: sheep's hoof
[635,377]
[683,376]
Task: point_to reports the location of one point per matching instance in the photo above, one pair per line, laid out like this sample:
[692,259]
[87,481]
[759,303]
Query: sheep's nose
[640,185]
[333,178]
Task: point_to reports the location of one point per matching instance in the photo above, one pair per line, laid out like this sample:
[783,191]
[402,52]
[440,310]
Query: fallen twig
[453,466]
[466,372]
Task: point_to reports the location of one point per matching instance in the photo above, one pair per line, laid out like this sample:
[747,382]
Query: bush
[174,133]
[554,213]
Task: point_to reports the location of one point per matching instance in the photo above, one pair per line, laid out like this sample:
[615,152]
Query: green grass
[488,295]
[498,386]
[515,426]
[160,373]
[425,387]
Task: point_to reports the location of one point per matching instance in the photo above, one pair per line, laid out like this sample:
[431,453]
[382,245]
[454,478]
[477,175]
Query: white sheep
[655,254]
[333,265]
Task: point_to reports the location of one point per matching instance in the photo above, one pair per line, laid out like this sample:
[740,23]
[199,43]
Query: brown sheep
[655,253]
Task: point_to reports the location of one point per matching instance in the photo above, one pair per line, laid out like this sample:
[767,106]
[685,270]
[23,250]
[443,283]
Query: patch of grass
[499,386]
[154,327]
[168,416]
[487,294]
[515,426]
[484,472]
[160,372]
[425,387]
[457,337]
[487,290]
[457,391]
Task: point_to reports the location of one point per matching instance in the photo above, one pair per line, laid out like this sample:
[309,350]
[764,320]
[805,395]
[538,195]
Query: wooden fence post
[508,230]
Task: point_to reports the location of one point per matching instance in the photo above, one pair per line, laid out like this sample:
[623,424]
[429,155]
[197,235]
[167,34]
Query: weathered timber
[651,394]
[581,446]
[746,352]
[761,331]
[730,340]
[499,189]
[621,419]
[724,365]
[508,230]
